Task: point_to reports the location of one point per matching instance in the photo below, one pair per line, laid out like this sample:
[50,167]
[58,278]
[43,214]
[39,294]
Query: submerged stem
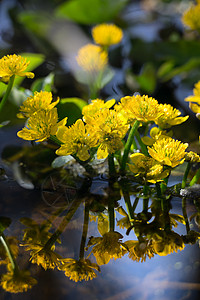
[84,233]
[185,215]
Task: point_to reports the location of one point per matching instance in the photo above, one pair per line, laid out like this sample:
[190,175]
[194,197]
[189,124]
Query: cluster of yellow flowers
[42,117]
[104,126]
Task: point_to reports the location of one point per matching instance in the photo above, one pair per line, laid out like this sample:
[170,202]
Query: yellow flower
[169,116]
[35,233]
[96,105]
[168,151]
[92,58]
[165,243]
[139,250]
[77,140]
[13,65]
[191,16]
[148,168]
[155,134]
[141,108]
[43,256]
[107,34]
[109,129]
[192,157]
[195,107]
[107,247]
[39,101]
[17,281]
[78,270]
[41,126]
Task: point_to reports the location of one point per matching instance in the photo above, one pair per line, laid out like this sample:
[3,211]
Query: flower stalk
[128,146]
[7,93]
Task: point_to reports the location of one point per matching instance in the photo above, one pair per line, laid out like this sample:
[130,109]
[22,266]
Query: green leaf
[71,108]
[4,223]
[165,68]
[185,68]
[38,23]
[90,11]
[147,78]
[44,84]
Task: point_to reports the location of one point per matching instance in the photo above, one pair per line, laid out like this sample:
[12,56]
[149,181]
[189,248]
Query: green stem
[7,93]
[163,185]
[9,252]
[195,178]
[145,190]
[185,215]
[186,175]
[84,234]
[54,139]
[111,165]
[142,146]
[128,146]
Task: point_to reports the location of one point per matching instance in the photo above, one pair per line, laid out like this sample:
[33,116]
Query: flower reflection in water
[140,234]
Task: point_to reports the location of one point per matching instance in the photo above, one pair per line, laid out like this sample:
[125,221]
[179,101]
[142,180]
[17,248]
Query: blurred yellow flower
[78,270]
[191,16]
[147,168]
[107,34]
[140,250]
[107,247]
[194,100]
[168,151]
[43,256]
[96,106]
[39,101]
[169,116]
[92,58]
[76,139]
[109,129]
[13,65]
[165,243]
[17,281]
[41,126]
[141,108]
